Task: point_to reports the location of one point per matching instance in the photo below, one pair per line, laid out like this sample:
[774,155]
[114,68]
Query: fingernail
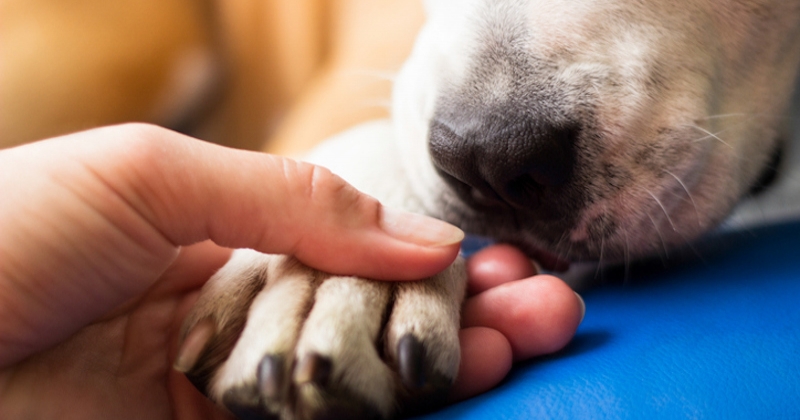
[193,346]
[419,229]
[583,306]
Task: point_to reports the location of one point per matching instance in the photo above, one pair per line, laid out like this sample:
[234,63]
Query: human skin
[109,234]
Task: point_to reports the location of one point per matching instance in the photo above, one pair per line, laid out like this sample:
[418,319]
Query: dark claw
[271,377]
[410,360]
[314,369]
[245,405]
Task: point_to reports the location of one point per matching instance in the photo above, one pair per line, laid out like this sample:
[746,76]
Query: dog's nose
[501,160]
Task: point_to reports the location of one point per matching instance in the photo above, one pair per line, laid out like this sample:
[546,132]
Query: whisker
[664,209]
[742,114]
[695,251]
[710,134]
[688,194]
[569,251]
[557,246]
[661,237]
[717,116]
[598,271]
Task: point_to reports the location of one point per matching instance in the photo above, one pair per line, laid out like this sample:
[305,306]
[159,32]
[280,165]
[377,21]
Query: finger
[486,358]
[191,191]
[538,315]
[496,265]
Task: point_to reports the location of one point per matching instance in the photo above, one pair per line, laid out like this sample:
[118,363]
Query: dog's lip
[550,261]
[546,259]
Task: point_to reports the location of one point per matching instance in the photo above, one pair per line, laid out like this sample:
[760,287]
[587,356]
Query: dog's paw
[272,338]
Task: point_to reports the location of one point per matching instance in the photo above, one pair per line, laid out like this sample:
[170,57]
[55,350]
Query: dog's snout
[502,159]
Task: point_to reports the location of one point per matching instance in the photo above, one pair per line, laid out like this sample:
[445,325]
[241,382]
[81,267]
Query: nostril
[454,158]
[486,197]
[523,190]
[476,192]
[541,161]
[502,159]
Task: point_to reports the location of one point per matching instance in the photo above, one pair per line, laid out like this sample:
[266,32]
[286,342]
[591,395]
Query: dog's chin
[548,242]
[547,260]
[500,231]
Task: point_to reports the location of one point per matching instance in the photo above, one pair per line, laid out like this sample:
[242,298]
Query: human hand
[511,314]
[90,221]
[93,284]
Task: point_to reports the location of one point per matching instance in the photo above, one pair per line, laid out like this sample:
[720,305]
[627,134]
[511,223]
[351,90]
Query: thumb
[192,191]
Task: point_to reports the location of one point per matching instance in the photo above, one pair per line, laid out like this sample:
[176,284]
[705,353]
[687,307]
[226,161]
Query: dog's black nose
[502,159]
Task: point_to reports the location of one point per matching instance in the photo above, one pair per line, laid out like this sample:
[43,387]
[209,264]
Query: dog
[578,130]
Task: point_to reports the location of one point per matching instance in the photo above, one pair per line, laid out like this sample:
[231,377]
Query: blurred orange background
[278,75]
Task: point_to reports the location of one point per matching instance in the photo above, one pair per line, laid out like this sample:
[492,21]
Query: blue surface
[717,338]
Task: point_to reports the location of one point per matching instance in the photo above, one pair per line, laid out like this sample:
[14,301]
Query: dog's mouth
[547,260]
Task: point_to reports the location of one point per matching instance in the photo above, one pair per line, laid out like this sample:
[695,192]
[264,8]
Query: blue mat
[715,338]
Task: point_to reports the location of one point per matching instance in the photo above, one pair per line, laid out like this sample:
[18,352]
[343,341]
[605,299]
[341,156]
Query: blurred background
[277,75]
